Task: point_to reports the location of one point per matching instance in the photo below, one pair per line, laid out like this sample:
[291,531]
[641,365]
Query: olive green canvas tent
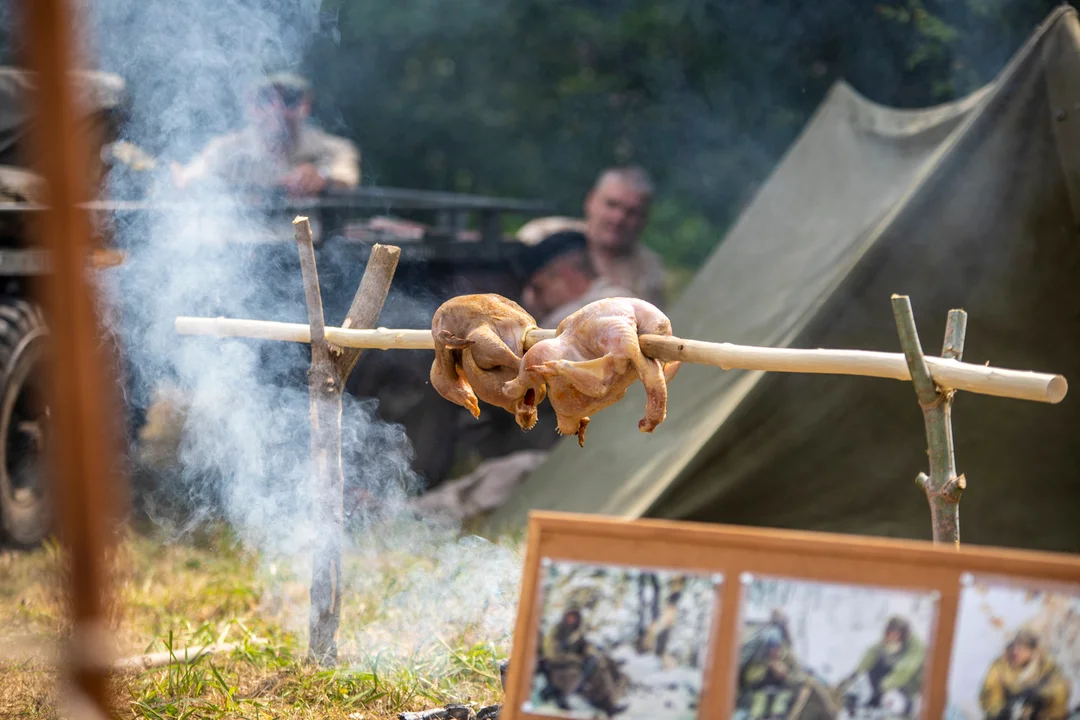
[973,205]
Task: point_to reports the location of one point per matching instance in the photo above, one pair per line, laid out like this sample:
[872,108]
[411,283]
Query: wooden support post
[83,442]
[330,368]
[943,488]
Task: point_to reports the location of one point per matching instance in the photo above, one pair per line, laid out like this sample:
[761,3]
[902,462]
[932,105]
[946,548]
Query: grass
[170,595]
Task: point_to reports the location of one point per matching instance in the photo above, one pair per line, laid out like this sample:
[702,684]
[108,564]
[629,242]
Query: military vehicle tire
[25,516]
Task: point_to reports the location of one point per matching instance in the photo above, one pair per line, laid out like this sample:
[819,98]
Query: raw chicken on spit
[594,359]
[479,342]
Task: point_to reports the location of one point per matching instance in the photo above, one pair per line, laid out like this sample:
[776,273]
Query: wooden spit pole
[946,373]
[83,471]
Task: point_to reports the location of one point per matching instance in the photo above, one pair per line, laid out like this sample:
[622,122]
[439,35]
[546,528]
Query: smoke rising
[705,123]
[244,452]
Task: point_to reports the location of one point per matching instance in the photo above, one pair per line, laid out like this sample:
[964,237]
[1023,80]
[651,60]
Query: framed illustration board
[658,619]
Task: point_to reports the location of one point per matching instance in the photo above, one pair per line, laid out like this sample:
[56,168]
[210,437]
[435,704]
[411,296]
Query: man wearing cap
[560,279]
[616,212]
[278,148]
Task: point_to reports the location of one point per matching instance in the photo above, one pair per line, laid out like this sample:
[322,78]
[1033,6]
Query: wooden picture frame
[731,553]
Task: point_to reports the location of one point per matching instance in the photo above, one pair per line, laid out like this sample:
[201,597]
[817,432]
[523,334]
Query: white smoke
[244,452]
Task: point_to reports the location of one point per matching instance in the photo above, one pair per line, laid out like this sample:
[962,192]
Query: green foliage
[533,97]
[956,46]
[684,236]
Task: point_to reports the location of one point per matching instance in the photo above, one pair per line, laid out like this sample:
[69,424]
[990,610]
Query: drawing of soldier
[893,667]
[772,675]
[1025,683]
[572,665]
[658,632]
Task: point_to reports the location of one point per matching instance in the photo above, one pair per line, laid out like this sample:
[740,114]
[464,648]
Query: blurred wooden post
[82,465]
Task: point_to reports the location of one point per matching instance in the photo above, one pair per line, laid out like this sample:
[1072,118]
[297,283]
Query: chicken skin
[592,361]
[479,342]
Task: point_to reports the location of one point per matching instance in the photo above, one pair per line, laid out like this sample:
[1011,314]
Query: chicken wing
[479,342]
[592,361]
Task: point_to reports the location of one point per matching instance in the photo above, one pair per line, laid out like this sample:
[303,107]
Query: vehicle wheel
[24,512]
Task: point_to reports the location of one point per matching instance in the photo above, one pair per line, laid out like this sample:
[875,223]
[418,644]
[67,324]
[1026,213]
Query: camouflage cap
[286,79]
[536,257]
[1025,637]
[898,624]
[772,637]
[573,606]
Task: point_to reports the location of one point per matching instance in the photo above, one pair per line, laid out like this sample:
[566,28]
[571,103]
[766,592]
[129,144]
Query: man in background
[616,212]
[561,280]
[278,148]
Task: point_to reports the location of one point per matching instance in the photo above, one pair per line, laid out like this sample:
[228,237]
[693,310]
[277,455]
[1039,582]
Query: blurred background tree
[532,98]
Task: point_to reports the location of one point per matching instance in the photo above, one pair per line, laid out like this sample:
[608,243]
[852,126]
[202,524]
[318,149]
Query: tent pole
[943,488]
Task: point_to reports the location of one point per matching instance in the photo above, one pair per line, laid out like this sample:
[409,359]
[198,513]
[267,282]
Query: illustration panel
[1016,652]
[622,642]
[811,650]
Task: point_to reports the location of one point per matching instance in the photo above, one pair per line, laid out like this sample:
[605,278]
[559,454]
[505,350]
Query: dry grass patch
[173,595]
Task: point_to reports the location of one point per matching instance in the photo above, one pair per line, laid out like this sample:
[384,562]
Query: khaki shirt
[601,288]
[641,271]
[240,158]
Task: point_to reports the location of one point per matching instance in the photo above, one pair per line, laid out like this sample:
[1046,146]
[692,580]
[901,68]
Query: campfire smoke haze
[188,67]
[244,453]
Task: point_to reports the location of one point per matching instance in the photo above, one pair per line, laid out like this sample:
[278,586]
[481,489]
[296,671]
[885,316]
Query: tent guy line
[947,374]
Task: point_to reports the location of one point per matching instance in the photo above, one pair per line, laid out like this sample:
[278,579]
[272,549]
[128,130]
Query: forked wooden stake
[943,488]
[330,368]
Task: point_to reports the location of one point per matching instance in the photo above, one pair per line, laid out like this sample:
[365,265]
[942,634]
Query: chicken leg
[479,342]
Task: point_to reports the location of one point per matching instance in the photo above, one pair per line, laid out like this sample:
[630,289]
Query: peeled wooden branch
[946,374]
